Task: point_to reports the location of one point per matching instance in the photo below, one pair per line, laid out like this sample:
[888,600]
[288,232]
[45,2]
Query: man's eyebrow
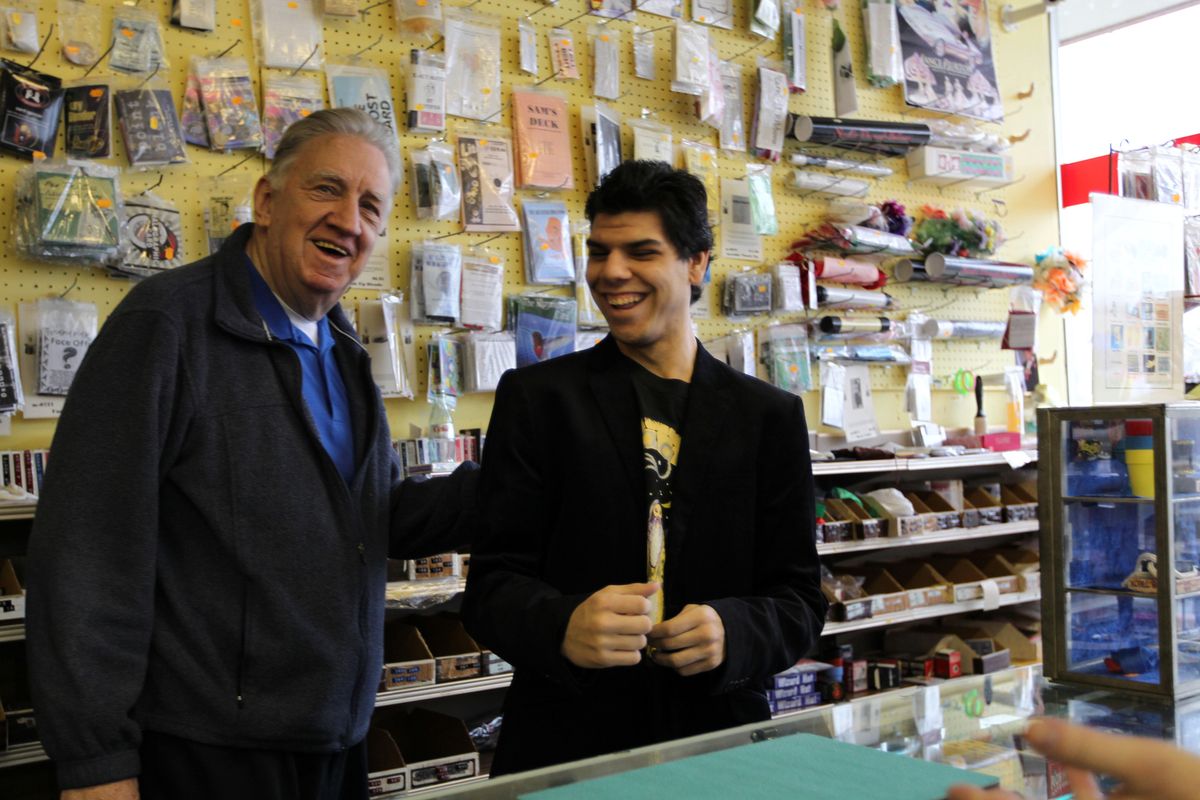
[627,245]
[326,175]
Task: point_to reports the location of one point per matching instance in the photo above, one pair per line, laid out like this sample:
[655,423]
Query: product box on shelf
[887,595]
[12,595]
[929,520]
[952,655]
[883,674]
[408,663]
[1026,563]
[432,748]
[854,679]
[1021,647]
[833,526]
[991,512]
[925,585]
[970,582]
[896,525]
[456,655]
[999,570]
[1018,504]
[493,664]
[864,526]
[947,663]
[942,166]
[444,565]
[387,774]
[945,515]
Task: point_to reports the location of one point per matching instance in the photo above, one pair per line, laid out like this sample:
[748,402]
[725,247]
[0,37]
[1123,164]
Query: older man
[209,556]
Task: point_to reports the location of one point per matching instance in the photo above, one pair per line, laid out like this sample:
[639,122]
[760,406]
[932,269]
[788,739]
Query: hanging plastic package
[287,100]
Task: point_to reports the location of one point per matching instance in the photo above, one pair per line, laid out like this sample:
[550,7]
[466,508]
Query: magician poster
[946,46]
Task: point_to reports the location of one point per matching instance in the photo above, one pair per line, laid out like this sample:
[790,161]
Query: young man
[647,558]
[210,552]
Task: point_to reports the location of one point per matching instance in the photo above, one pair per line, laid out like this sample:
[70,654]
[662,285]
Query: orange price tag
[494,259]
[127,33]
[237,100]
[96,93]
[153,123]
[104,202]
[235,22]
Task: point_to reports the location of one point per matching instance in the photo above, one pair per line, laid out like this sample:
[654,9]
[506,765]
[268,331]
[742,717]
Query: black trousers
[178,769]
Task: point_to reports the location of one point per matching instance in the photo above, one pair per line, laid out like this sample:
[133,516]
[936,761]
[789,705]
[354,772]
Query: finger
[627,624]
[631,604]
[626,643]
[639,589]
[691,638]
[1127,758]
[1083,784]
[685,620]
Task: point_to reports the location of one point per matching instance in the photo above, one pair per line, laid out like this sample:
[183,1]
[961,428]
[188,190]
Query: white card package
[426,92]
[472,65]
[691,58]
[288,33]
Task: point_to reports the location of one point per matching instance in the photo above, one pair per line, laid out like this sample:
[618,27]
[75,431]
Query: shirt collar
[271,310]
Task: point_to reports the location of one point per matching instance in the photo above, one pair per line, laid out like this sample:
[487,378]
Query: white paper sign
[859,415]
[739,241]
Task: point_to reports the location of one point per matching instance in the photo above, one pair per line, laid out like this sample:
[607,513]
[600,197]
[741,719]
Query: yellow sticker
[233,223]
[38,155]
[494,259]
[604,37]
[422,3]
[153,122]
[16,18]
[419,107]
[545,245]
[96,93]
[565,43]
[798,12]
[304,112]
[235,22]
[127,33]
[71,49]
[237,100]
[169,252]
[793,368]
[104,202]
[486,90]
[293,4]
[762,289]
[701,19]
[483,142]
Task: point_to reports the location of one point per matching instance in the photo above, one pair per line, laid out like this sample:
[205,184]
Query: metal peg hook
[74,283]
[309,58]
[41,49]
[1028,93]
[1020,138]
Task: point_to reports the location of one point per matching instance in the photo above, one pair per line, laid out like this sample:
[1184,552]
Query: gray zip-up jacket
[198,566]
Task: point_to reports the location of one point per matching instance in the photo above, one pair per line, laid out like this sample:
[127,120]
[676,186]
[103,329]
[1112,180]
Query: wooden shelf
[1013,458]
[23,754]
[12,632]
[929,612]
[15,511]
[435,690]
[953,535]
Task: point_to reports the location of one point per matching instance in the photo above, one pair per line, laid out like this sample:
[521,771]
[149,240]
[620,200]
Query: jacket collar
[234,297]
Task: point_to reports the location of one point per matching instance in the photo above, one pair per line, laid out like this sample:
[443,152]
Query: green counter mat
[802,765]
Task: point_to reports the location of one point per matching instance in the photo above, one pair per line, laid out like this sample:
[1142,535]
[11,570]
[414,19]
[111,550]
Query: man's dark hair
[677,195]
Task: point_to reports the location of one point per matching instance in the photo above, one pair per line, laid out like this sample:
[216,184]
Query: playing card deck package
[137,43]
[547,238]
[149,126]
[65,332]
[286,100]
[435,282]
[485,163]
[68,211]
[436,189]
[30,105]
[81,31]
[151,237]
[288,33]
[230,109]
[543,326]
[88,120]
[20,29]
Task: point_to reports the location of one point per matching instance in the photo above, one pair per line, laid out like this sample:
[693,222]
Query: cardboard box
[896,526]
[883,674]
[455,654]
[846,610]
[864,526]
[1021,647]
[463,563]
[855,676]
[1018,506]
[493,664]
[837,526]
[929,520]
[12,594]
[1025,563]
[945,513]
[434,748]
[925,585]
[386,771]
[408,661]
[947,663]
[991,512]
[436,567]
[887,595]
[998,570]
[970,582]
[942,166]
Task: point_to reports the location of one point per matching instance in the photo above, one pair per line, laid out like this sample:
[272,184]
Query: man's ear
[262,202]
[697,266]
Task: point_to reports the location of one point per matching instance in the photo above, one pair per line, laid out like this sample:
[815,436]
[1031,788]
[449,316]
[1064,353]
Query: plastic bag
[733,125]
[287,100]
[795,46]
[486,357]
[366,88]
[548,257]
[652,141]
[643,53]
[68,211]
[606,61]
[137,44]
[230,109]
[151,236]
[765,20]
[191,115]
[543,140]
[601,140]
[482,290]
[198,15]
[229,203]
[287,33]
[20,30]
[716,13]
[30,105]
[613,9]
[543,326]
[589,313]
[436,190]
[701,160]
[420,17]
[12,393]
[426,90]
[66,330]
[710,108]
[527,39]
[435,281]
[486,165]
[785,354]
[770,111]
[380,327]
[691,58]
[881,28]
[662,8]
[149,126]
[562,54]
[81,31]
[472,65]
[341,8]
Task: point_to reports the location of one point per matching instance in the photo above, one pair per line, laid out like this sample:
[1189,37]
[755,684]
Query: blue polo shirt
[322,386]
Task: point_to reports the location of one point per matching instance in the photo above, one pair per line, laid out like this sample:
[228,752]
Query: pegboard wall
[1029,206]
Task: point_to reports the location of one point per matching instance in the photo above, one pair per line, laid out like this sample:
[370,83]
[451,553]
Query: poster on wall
[947,52]
[1137,275]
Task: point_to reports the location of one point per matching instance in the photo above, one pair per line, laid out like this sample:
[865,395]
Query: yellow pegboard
[1022,59]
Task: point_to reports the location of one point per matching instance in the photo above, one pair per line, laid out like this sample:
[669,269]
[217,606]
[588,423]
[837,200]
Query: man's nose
[614,267]
[346,215]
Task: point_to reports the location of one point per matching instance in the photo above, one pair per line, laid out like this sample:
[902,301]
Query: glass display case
[1120,521]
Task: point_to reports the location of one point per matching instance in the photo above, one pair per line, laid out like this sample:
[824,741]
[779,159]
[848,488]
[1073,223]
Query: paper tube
[961,329]
[848,270]
[838,297]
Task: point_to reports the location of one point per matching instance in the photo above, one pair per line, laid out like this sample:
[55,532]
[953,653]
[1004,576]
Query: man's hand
[121,790]
[1147,769]
[609,628]
[691,642]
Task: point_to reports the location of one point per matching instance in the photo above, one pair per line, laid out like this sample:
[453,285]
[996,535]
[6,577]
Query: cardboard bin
[896,526]
[929,520]
[837,527]
[1018,506]
[970,582]
[886,593]
[436,748]
[456,656]
[436,567]
[991,512]
[387,773]
[946,515]
[846,610]
[407,660]
[925,585]
[864,525]
[493,664]
[12,594]
[998,570]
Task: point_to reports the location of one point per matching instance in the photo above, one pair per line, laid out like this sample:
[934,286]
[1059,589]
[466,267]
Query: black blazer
[565,508]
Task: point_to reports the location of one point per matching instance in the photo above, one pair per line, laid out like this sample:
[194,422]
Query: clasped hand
[612,627]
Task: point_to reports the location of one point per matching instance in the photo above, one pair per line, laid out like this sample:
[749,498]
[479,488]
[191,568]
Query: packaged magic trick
[30,105]
[68,211]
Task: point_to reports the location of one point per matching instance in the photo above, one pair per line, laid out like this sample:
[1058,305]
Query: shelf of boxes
[434,691]
[930,612]
[12,632]
[1012,459]
[16,512]
[20,754]
[954,535]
